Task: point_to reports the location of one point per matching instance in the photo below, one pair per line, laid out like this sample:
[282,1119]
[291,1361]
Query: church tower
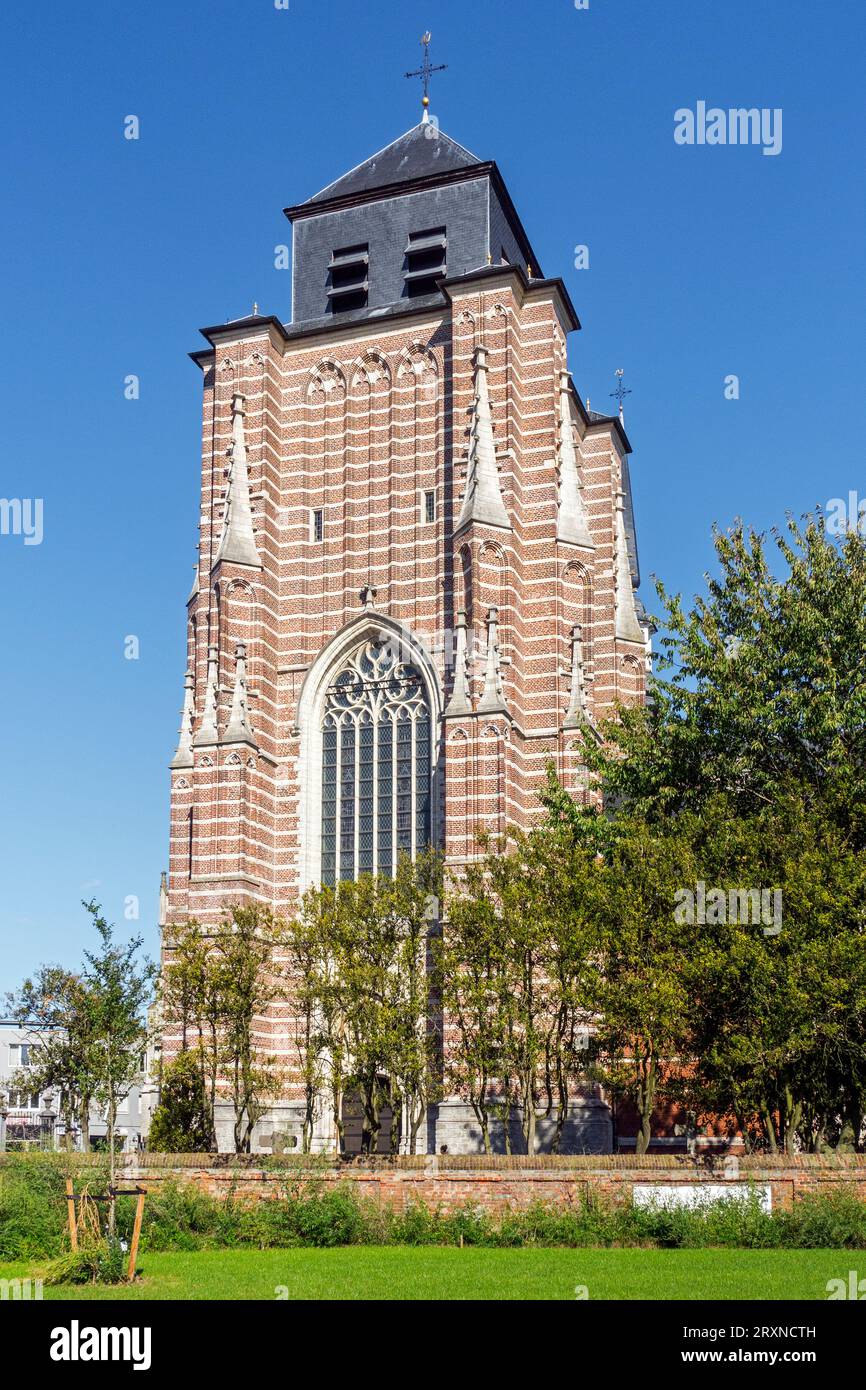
[417,564]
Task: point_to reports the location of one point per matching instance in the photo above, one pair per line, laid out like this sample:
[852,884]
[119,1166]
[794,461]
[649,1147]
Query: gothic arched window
[376,765]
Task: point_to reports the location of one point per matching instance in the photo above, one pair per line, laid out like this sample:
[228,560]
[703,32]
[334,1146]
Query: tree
[190,990]
[755,725]
[643,993]
[358,955]
[759,684]
[89,1028]
[182,1122]
[248,979]
[472,983]
[413,1048]
[778,1011]
[518,970]
[566,871]
[316,949]
[381,929]
[216,985]
[52,1007]
[116,988]
[312,1036]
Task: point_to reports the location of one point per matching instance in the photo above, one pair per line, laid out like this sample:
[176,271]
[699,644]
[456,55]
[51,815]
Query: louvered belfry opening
[426,261]
[348,272]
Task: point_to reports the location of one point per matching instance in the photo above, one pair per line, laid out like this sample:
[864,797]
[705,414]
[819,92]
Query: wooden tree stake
[70,1208]
[136,1232]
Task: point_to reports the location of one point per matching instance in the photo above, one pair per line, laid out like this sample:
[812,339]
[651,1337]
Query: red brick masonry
[452,1180]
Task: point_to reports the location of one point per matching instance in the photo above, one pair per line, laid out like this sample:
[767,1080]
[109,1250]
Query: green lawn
[377,1272]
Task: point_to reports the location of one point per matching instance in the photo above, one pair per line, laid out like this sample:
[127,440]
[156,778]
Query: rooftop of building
[422,152]
[420,159]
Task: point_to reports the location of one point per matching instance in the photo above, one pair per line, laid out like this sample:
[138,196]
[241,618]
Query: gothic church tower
[417,562]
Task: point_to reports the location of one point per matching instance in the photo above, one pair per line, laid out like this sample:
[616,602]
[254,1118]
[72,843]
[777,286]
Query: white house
[33,1116]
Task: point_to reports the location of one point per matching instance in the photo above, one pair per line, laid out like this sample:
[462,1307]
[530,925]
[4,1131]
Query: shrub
[181,1121]
[179,1216]
[835,1221]
[313,1217]
[334,1218]
[33,1204]
[731,1221]
[416,1224]
[102,1262]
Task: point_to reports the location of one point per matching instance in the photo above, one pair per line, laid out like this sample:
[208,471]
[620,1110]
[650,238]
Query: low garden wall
[493,1182]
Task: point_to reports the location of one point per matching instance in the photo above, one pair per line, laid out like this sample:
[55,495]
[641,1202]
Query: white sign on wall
[650,1194]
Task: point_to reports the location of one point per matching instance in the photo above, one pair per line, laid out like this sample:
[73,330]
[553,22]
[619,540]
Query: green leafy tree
[319,963]
[359,961]
[365,953]
[761,683]
[244,957]
[89,1028]
[755,725]
[643,979]
[306,947]
[777,1014]
[51,1006]
[413,1044]
[383,925]
[472,983]
[518,971]
[215,985]
[182,1122]
[116,988]
[190,994]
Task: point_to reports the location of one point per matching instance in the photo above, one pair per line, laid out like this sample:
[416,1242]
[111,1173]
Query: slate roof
[415,155]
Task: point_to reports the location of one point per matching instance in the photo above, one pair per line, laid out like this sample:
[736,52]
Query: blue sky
[704,262]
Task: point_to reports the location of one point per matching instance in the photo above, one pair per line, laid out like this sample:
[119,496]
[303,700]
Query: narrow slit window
[317,524]
[429,507]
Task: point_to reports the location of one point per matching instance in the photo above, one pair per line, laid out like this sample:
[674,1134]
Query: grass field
[400,1273]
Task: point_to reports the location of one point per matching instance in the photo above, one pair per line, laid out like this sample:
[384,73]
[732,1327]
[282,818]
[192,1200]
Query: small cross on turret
[621,391]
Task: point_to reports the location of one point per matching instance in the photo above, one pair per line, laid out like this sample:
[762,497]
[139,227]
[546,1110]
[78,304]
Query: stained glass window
[329,802]
[386,795]
[376,765]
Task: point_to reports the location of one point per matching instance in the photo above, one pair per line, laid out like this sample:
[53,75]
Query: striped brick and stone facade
[404,477]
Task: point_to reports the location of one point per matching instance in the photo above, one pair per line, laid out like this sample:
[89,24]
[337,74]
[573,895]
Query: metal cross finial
[621,391]
[426,70]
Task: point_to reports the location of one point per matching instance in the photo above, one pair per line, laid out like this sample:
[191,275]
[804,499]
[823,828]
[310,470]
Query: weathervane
[425,72]
[621,391]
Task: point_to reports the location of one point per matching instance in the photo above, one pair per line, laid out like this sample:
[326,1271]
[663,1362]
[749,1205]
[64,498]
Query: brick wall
[496,1183]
